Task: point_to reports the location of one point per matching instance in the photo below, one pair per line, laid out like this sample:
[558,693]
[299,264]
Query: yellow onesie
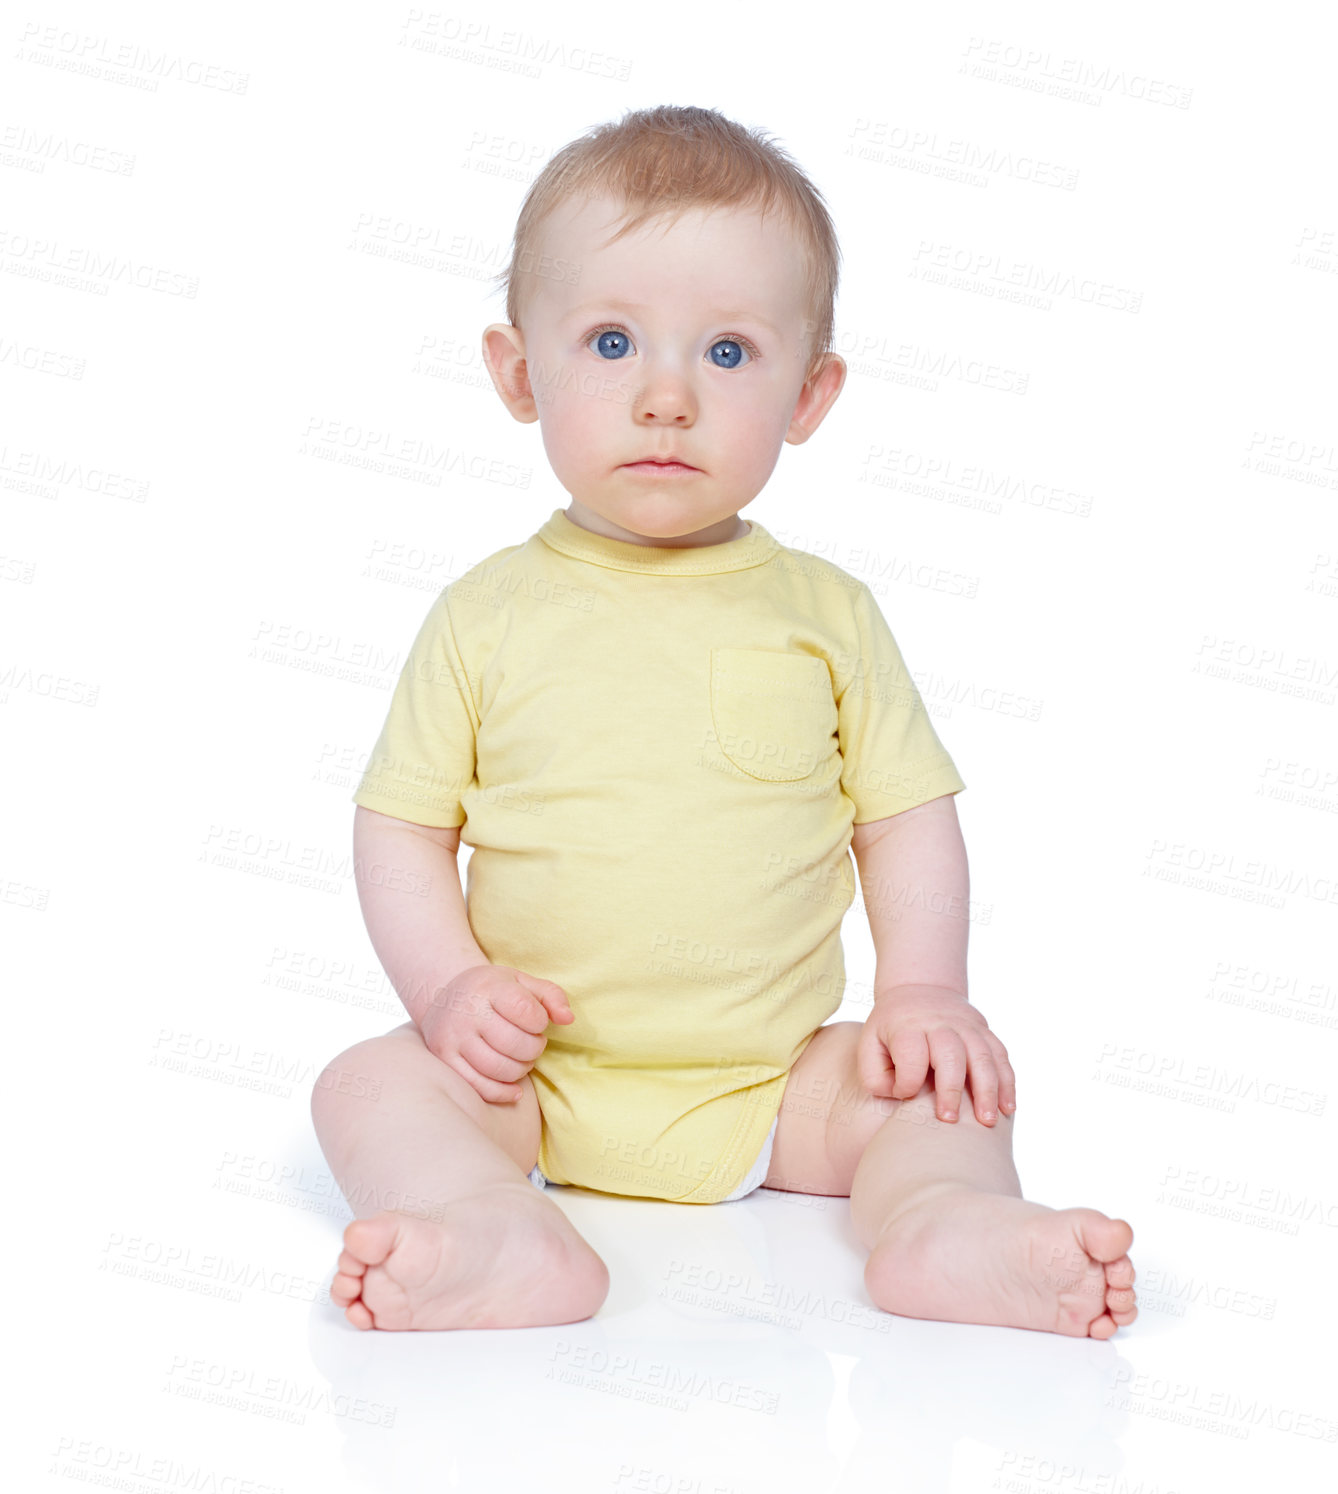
[657,756]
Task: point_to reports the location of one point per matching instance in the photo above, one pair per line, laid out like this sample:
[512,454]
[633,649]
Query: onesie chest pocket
[773,713]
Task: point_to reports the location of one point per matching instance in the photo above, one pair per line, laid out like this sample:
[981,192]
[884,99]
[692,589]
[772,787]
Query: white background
[1098,513]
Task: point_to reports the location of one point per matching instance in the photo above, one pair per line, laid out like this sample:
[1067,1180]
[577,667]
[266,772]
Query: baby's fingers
[502,1074]
[985,1086]
[504,1037]
[488,1089]
[909,1051]
[550,1002]
[948,1054]
[1007,1081]
[875,1067]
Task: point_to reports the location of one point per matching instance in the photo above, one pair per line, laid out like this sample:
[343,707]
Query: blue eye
[734,352]
[612,343]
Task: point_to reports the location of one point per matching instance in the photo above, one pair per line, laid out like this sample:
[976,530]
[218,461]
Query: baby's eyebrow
[719,316]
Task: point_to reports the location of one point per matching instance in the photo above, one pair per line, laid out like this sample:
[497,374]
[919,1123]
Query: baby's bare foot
[493,1260]
[964,1256]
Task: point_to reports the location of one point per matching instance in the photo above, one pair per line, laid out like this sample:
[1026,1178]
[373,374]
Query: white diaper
[754,1180]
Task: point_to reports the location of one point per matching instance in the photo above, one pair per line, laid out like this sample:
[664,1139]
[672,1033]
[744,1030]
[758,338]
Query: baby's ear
[504,358]
[816,398]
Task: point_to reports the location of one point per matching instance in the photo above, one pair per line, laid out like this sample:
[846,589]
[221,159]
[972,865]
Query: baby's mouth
[654,468]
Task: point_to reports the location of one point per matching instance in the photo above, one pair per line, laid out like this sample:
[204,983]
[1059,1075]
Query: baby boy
[662,733]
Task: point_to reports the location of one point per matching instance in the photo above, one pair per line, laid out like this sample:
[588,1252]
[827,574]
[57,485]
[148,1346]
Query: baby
[662,733]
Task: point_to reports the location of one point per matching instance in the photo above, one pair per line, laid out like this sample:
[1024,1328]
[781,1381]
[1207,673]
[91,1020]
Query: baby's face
[687,342]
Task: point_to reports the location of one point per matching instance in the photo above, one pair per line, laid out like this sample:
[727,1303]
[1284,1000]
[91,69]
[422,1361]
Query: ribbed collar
[753,548]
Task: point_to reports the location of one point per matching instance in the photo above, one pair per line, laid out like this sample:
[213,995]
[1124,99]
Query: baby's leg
[951,1236]
[450,1231]
[939,1206]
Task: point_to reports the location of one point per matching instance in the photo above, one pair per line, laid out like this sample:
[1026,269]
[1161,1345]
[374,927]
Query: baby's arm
[413,905]
[485,1021]
[914,876]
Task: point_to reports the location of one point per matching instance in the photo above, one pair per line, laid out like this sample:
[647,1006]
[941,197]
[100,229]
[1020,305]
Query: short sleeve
[424,759]
[892,757]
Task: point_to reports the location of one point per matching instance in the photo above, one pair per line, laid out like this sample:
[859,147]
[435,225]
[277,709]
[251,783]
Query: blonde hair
[668,160]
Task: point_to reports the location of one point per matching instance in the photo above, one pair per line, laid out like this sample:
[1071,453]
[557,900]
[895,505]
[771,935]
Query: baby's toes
[350,1264]
[1120,1273]
[1120,1305]
[1120,1294]
[346,1291]
[346,1287]
[367,1242]
[358,1314]
[1105,1239]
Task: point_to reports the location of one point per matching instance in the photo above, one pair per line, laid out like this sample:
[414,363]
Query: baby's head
[671,293]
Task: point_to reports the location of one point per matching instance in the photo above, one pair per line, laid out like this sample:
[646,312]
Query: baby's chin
[664,517]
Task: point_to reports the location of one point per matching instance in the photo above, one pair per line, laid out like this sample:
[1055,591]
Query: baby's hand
[913,1028]
[487,1024]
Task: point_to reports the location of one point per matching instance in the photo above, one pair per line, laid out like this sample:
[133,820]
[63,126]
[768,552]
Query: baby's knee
[358,1073]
